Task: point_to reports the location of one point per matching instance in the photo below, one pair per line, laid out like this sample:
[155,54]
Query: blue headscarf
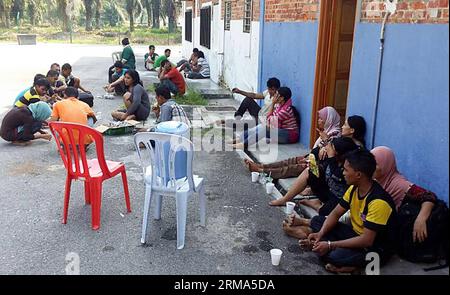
[41,111]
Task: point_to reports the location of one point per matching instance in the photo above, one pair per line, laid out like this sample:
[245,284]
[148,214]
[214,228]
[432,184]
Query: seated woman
[21,125]
[280,117]
[403,190]
[200,70]
[292,167]
[136,100]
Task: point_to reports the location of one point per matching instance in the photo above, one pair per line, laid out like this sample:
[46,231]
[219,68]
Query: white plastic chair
[156,184]
[116,56]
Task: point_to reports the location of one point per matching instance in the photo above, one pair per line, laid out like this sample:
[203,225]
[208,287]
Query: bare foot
[343,269]
[278,202]
[252,166]
[315,204]
[305,244]
[238,146]
[299,232]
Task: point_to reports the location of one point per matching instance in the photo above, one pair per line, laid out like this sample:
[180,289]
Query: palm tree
[98,8]
[62,11]
[89,14]
[156,9]
[148,7]
[129,6]
[5,9]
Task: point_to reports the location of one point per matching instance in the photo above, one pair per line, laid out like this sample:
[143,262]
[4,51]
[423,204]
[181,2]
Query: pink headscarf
[332,123]
[390,179]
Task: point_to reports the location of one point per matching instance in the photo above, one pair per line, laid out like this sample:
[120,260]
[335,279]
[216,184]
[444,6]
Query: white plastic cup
[269,188]
[255,177]
[276,256]
[290,208]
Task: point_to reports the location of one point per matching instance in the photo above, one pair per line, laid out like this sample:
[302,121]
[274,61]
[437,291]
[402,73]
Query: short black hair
[165,51]
[195,50]
[118,64]
[363,161]
[359,125]
[134,76]
[285,92]
[71,92]
[52,73]
[152,47]
[37,78]
[273,83]
[164,92]
[54,64]
[343,145]
[66,67]
[164,62]
[125,41]
[42,82]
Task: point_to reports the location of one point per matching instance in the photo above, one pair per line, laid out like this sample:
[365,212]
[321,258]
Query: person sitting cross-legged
[136,99]
[72,81]
[117,85]
[172,78]
[201,69]
[343,248]
[150,58]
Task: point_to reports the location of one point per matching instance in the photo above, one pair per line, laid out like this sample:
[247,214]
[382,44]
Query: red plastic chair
[92,171]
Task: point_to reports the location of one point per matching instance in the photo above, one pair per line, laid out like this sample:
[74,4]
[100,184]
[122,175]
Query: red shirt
[175,76]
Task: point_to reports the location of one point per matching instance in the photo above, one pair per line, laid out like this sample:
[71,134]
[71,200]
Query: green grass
[192,97]
[106,35]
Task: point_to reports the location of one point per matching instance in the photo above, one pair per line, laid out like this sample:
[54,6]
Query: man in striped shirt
[168,109]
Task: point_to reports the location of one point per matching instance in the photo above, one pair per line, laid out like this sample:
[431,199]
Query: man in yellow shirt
[343,247]
[35,94]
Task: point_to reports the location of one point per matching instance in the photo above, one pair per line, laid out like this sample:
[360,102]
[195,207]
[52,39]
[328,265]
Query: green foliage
[192,97]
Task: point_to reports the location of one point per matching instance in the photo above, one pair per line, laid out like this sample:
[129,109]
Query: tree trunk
[148,7]
[156,8]
[98,8]
[171,15]
[89,14]
[131,22]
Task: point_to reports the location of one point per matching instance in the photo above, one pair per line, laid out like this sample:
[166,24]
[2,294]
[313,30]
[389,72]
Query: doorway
[334,54]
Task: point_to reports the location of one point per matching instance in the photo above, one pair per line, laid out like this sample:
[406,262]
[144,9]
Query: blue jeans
[169,84]
[253,135]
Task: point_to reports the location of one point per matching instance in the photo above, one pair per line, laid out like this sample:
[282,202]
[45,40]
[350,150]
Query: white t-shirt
[204,70]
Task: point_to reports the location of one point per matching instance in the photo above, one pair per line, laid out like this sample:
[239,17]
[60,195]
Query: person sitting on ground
[53,95]
[21,125]
[201,70]
[136,99]
[354,128]
[249,104]
[72,110]
[72,81]
[342,247]
[55,67]
[34,94]
[402,190]
[160,59]
[172,78]
[188,64]
[280,117]
[36,78]
[168,109]
[117,85]
[150,58]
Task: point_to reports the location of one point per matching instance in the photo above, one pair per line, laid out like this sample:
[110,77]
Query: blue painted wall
[289,54]
[413,113]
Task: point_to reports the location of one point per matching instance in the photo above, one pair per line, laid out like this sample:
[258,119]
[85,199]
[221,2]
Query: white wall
[233,54]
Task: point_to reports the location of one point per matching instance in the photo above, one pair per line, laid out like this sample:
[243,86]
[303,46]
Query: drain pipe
[262,12]
[380,69]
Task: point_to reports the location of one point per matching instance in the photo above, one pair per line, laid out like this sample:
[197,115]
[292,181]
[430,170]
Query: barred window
[248,15]
[205,27]
[188,26]
[227,15]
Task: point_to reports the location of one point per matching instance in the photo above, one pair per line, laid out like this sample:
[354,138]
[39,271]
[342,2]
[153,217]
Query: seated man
[160,59]
[72,81]
[56,67]
[187,64]
[150,58]
[72,110]
[34,94]
[171,78]
[36,78]
[249,104]
[201,70]
[55,84]
[168,109]
[373,220]
[118,85]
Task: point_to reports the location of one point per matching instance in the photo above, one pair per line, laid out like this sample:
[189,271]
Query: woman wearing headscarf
[403,190]
[293,167]
[21,125]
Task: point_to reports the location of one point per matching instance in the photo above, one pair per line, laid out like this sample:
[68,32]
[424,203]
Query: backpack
[436,246]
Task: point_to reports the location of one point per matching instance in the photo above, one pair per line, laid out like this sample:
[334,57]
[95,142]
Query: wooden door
[334,52]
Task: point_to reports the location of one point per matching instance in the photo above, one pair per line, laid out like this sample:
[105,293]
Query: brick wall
[237,9]
[408,11]
[292,10]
